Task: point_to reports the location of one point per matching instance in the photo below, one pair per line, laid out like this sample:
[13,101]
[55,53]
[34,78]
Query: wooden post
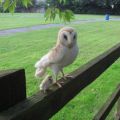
[118,110]
[12,88]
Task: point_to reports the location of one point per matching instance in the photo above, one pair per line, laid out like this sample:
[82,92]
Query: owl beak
[70,45]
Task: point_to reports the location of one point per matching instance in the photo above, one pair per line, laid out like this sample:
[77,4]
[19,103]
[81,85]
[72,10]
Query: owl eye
[74,37]
[65,37]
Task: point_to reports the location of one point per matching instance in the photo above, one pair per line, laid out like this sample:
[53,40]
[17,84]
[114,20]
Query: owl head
[67,36]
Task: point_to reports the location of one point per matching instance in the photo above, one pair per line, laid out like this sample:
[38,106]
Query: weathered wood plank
[107,107]
[43,106]
[6,72]
[117,117]
[12,88]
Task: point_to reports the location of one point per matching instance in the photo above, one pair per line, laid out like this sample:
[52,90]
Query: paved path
[40,27]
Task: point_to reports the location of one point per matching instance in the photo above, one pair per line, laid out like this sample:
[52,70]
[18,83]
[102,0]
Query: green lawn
[24,49]
[8,21]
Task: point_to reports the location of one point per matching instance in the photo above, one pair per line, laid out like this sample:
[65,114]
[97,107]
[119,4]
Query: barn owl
[62,55]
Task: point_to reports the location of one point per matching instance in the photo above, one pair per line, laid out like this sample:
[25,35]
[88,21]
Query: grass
[22,50]
[16,20]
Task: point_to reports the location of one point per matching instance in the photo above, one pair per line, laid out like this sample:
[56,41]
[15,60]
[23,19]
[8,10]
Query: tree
[55,8]
[64,8]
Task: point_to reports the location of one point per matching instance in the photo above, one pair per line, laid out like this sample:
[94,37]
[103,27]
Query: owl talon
[64,77]
[68,76]
[61,82]
[58,84]
[44,91]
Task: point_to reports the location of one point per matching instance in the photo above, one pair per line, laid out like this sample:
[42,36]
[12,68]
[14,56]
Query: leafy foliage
[52,11]
[94,6]
[57,8]
[10,5]
[65,15]
[65,8]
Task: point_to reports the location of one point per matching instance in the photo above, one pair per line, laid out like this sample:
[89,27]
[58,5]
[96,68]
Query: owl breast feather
[70,56]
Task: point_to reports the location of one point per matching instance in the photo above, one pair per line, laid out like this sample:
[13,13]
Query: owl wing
[52,57]
[56,54]
[43,62]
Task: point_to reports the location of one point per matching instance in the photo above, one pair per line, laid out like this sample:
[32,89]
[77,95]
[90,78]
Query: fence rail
[107,107]
[42,106]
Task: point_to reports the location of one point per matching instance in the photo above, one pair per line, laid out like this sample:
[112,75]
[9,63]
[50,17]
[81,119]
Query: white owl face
[67,36]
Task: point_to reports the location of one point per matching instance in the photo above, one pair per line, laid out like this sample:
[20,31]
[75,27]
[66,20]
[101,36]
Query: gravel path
[41,27]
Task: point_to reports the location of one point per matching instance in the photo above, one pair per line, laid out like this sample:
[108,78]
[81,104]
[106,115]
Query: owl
[62,55]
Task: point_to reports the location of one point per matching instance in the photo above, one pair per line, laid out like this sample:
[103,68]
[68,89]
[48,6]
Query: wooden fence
[15,106]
